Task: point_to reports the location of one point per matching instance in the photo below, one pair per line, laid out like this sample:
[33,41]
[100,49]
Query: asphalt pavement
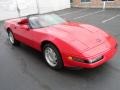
[23,68]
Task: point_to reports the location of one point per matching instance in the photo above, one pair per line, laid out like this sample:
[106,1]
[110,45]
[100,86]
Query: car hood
[80,36]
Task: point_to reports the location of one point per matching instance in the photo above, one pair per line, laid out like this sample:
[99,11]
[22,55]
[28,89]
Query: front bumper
[107,56]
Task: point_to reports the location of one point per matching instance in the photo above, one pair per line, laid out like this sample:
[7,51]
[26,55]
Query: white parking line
[73,12]
[88,14]
[104,21]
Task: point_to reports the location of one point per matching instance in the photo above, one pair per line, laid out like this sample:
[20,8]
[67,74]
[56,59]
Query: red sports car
[63,43]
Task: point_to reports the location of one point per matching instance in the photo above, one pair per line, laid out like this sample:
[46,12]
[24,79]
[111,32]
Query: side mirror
[25,27]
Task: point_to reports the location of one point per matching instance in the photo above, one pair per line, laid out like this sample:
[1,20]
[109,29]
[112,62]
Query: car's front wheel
[52,56]
[12,40]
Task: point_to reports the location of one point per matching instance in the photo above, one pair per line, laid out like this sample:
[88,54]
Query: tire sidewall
[15,43]
[59,64]
[9,37]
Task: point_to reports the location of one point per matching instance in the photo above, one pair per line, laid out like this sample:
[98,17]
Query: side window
[34,23]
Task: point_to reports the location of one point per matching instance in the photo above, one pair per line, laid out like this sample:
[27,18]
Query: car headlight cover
[85,61]
[96,59]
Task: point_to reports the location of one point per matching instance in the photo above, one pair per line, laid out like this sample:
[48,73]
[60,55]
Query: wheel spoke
[50,56]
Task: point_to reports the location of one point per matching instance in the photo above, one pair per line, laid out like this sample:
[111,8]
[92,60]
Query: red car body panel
[72,39]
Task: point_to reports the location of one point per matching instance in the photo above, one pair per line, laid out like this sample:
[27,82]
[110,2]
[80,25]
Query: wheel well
[8,29]
[47,42]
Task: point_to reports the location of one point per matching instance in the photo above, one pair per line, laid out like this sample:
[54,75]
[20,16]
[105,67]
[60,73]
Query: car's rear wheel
[52,56]
[12,40]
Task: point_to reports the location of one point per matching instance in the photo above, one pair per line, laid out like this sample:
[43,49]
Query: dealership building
[96,3]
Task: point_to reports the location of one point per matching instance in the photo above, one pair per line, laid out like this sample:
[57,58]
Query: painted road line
[73,12]
[88,14]
[104,21]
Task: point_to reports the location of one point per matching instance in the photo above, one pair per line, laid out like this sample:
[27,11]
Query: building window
[71,1]
[107,0]
[85,0]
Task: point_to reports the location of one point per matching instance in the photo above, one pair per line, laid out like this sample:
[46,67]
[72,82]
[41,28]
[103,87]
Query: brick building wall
[96,4]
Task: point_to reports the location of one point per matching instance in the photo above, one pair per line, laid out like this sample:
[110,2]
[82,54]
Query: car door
[24,34]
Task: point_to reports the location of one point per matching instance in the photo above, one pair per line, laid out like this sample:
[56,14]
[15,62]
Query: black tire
[14,41]
[59,65]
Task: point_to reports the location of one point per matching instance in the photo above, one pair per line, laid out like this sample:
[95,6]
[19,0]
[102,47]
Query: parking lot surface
[22,68]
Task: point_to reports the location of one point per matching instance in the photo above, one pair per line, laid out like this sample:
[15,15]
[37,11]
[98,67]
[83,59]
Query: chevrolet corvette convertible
[63,43]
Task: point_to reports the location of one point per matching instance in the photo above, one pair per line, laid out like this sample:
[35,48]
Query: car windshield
[39,21]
